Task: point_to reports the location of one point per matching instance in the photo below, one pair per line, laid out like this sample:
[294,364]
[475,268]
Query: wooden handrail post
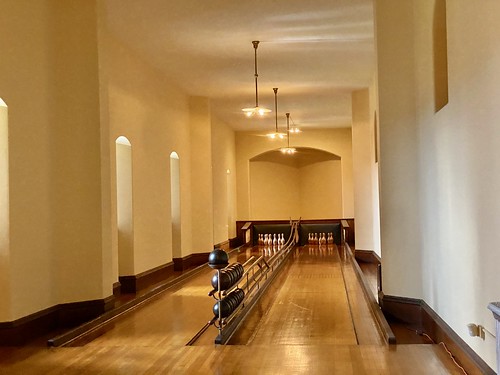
[246,232]
[345,229]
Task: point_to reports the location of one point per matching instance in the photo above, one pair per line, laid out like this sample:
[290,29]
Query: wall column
[201,175]
[399,194]
[363,157]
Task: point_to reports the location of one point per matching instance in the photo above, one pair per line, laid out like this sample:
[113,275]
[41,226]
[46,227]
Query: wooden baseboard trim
[421,317]
[66,315]
[234,242]
[367,256]
[117,289]
[223,245]
[143,280]
[190,261]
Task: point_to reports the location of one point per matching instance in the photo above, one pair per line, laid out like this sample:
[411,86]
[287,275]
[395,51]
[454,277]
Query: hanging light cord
[255,45]
[275,89]
[288,128]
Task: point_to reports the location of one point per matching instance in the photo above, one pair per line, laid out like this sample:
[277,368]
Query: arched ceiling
[303,157]
[316,52]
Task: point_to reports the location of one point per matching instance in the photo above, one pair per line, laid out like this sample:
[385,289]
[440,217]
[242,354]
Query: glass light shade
[255,110]
[288,150]
[276,135]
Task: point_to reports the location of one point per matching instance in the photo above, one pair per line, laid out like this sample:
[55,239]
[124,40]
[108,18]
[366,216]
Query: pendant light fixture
[293,128]
[288,150]
[256,110]
[276,134]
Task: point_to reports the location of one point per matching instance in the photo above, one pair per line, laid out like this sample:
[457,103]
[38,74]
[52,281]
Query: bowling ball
[218,259]
[224,307]
[225,280]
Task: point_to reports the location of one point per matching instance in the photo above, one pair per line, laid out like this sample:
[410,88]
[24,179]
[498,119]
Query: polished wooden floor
[314,320]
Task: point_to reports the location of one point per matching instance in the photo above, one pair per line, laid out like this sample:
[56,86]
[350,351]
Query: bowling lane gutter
[80,331]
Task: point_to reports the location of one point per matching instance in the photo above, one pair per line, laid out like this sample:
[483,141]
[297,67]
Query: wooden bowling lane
[152,341]
[172,317]
[231,359]
[311,306]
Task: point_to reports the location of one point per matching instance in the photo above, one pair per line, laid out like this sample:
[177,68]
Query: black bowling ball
[229,304]
[225,309]
[218,259]
[225,280]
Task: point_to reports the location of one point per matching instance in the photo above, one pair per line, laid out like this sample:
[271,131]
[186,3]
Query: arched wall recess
[124,196]
[175,204]
[4,213]
[307,184]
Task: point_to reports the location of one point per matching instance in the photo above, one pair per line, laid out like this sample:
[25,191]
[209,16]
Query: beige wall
[440,217]
[201,176]
[335,141]
[154,116]
[158,118]
[72,91]
[274,191]
[281,192]
[399,198]
[224,181]
[365,172]
[51,85]
[321,190]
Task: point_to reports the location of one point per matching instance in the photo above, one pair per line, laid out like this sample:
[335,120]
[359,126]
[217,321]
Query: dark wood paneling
[223,245]
[402,309]
[117,289]
[234,242]
[367,256]
[73,314]
[241,223]
[190,261]
[143,280]
[350,233]
[439,331]
[420,316]
[23,330]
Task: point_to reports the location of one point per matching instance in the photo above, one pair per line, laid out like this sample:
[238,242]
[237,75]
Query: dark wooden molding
[234,242]
[20,331]
[244,226]
[421,317]
[367,256]
[117,289]
[73,314]
[66,315]
[223,245]
[190,261]
[403,309]
[143,280]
